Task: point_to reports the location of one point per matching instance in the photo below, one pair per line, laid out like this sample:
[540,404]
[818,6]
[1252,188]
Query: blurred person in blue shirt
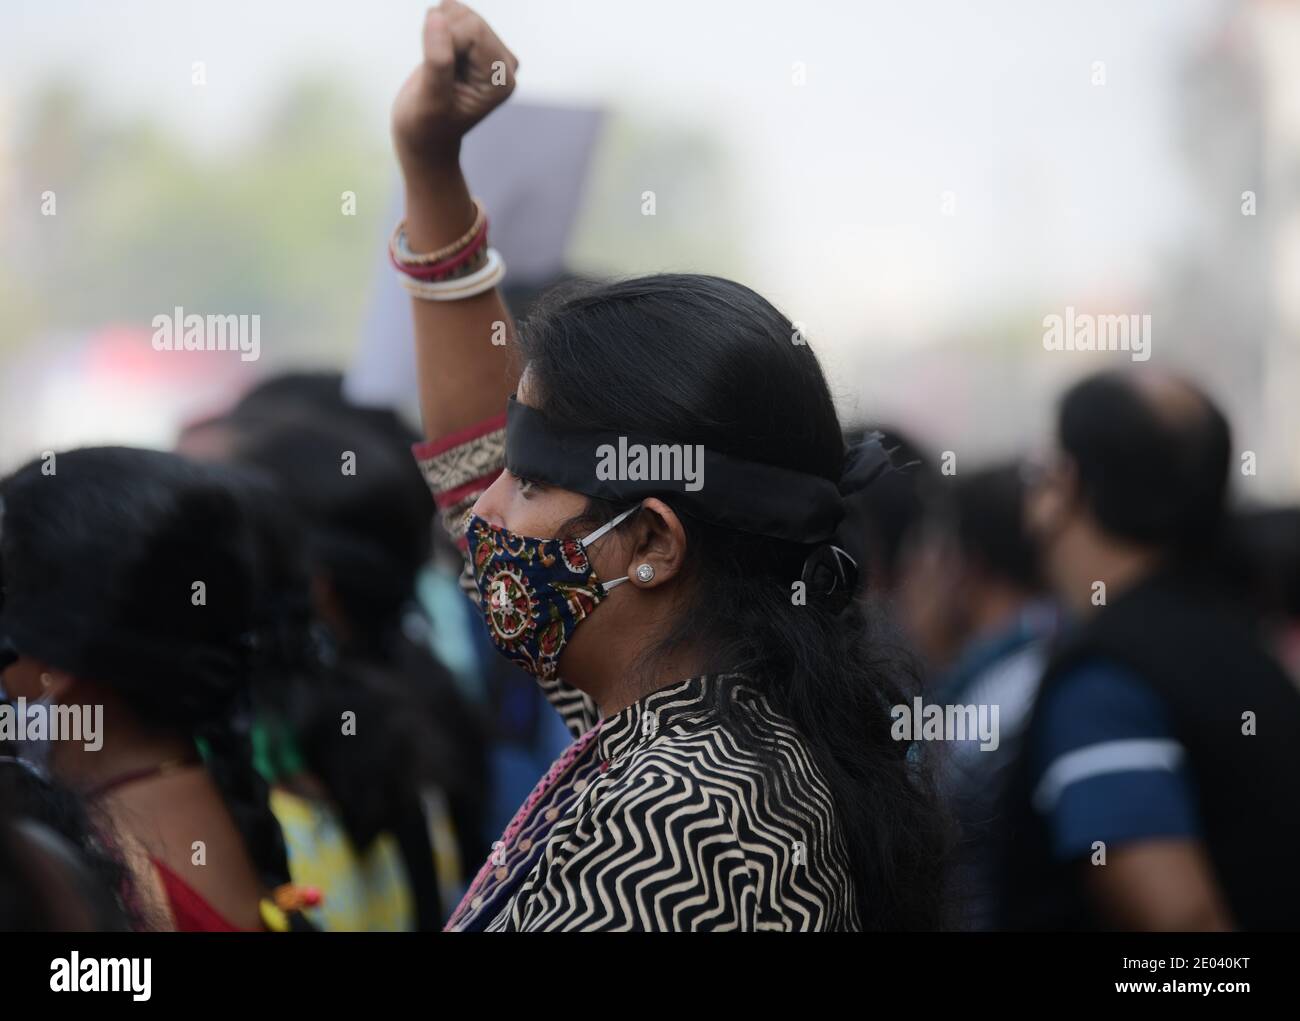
[1161,763]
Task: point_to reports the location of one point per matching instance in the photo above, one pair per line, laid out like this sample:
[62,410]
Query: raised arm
[467,72]
[466,372]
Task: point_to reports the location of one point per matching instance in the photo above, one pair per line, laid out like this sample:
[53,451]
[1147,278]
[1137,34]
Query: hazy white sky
[1062,188]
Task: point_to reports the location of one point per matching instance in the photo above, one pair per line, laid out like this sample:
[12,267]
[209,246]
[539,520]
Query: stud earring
[645,573]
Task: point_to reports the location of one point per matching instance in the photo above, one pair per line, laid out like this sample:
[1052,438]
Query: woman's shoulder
[714,804]
[752,759]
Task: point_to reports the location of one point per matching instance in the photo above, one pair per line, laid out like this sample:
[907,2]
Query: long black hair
[366,533]
[138,570]
[702,360]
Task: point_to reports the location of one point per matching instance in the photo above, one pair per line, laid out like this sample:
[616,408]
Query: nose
[491,503]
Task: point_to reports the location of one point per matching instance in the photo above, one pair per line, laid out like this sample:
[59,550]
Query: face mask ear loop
[613,582]
[606,527]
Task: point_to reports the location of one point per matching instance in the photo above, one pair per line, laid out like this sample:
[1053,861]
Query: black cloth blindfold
[747,496]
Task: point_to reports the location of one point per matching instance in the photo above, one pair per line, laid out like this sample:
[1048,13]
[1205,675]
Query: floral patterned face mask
[534,592]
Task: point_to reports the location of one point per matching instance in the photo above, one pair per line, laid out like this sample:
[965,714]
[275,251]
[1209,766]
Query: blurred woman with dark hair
[413,769]
[733,766]
[131,583]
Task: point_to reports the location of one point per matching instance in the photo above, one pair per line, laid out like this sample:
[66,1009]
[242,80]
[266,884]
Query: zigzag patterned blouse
[663,816]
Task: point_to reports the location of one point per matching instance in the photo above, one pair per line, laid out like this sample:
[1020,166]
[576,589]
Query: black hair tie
[831,576]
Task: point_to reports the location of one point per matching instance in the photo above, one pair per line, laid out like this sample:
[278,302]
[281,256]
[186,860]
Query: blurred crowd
[341,732]
[341,706]
[1135,630]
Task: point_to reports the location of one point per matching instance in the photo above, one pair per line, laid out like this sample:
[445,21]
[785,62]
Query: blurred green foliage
[145,222]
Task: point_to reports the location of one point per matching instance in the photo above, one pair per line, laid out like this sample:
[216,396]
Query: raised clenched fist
[466,73]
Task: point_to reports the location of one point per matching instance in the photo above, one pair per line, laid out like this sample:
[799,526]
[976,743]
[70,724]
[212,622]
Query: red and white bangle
[460,262]
[457,288]
[460,270]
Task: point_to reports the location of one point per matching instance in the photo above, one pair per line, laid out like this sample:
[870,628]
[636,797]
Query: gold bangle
[409,258]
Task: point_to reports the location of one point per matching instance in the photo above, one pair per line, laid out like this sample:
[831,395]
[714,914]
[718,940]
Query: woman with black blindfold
[673,478]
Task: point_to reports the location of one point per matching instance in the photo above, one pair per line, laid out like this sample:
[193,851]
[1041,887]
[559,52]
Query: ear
[660,541]
[56,683]
[33,678]
[1050,502]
